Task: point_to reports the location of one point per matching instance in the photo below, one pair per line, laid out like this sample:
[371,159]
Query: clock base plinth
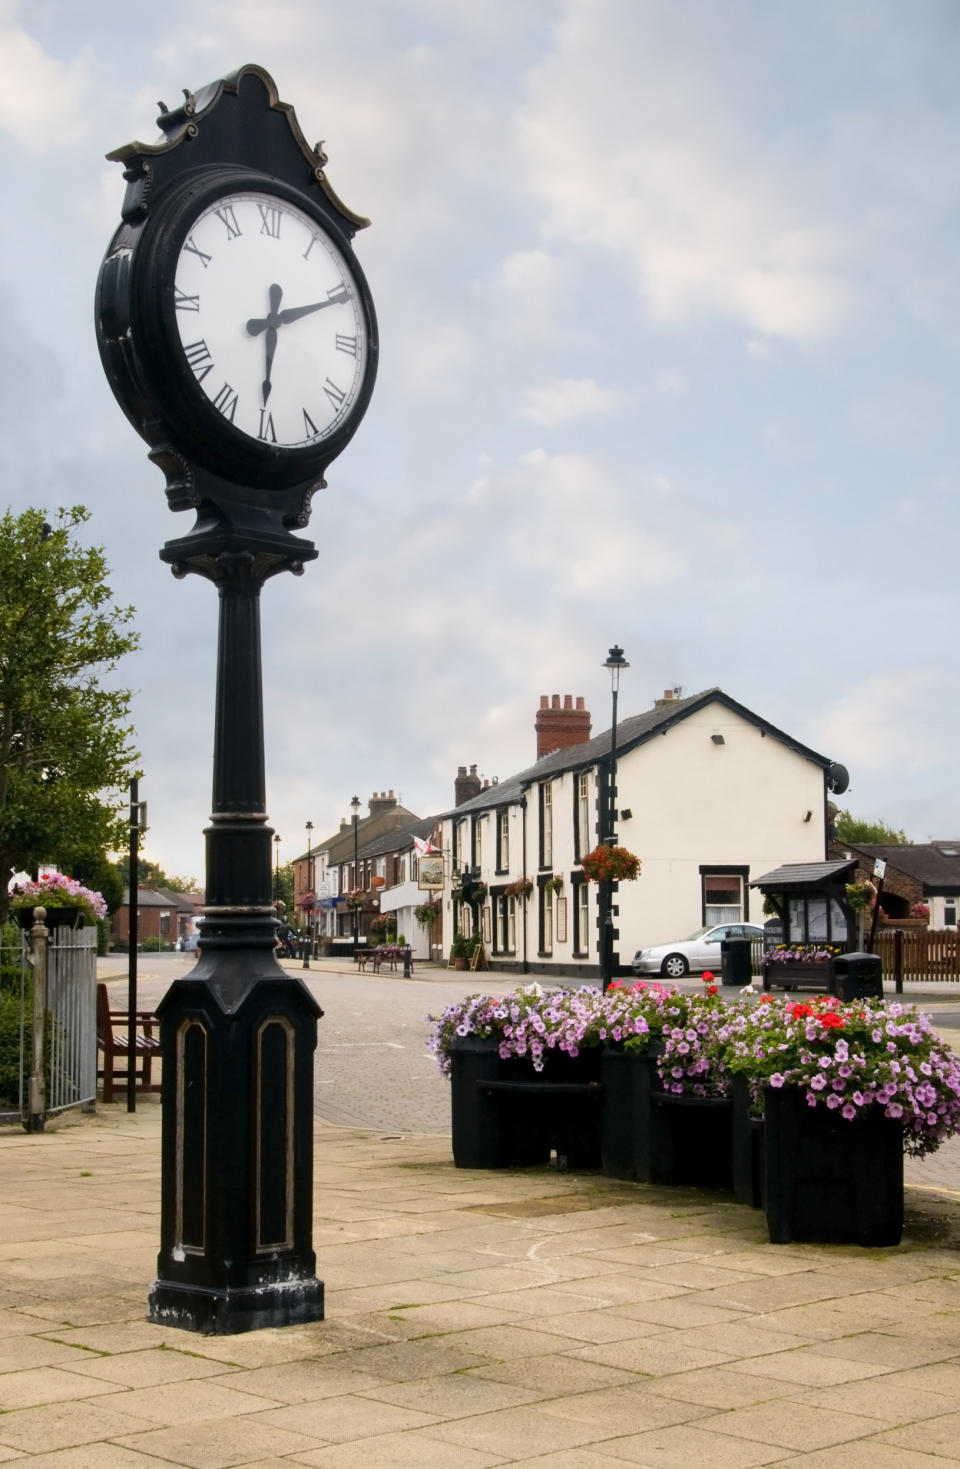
[228,1312]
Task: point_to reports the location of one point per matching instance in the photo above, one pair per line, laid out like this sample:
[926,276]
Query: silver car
[698,952]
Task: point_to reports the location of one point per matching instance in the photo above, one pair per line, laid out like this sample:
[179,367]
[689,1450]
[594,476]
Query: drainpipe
[526,901]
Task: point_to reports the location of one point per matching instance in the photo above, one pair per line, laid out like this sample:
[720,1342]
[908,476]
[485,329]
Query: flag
[423,848]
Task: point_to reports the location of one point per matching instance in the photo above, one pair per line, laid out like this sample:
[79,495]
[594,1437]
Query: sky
[669,306]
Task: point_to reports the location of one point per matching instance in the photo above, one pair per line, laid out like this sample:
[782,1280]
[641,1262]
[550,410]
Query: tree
[850,829]
[65,743]
[283,888]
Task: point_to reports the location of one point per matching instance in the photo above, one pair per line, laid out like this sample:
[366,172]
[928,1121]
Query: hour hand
[270,343]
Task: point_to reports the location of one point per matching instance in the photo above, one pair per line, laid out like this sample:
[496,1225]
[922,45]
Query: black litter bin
[857,977]
[736,965]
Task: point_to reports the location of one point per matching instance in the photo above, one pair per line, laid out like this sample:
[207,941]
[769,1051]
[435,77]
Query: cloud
[434,360]
[567,398]
[890,722]
[43,102]
[655,167]
[533,285]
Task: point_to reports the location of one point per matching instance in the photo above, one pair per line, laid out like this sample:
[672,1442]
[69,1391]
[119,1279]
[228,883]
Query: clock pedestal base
[237,1200]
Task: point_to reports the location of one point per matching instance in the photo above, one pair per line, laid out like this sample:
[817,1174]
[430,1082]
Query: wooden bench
[114,1043]
[390,954]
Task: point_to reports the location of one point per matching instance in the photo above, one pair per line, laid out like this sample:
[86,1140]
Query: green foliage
[9,1048]
[850,829]
[461,948]
[151,875]
[65,740]
[283,886]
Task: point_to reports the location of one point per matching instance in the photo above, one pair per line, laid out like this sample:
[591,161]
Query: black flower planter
[64,917]
[656,1137]
[507,1115]
[827,1179]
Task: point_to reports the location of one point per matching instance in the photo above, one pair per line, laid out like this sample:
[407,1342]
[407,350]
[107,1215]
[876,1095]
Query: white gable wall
[696,803]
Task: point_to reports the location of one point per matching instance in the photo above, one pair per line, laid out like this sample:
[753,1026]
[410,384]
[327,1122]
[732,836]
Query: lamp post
[306,947]
[615,664]
[276,870]
[355,807]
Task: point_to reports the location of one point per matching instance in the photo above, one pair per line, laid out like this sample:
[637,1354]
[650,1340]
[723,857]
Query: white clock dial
[270,321]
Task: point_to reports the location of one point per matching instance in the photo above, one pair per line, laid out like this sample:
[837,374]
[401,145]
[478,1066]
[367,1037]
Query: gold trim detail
[185,1026]
[263,1246]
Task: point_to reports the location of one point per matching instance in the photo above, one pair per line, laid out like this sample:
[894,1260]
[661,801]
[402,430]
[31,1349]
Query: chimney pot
[568,701]
[555,702]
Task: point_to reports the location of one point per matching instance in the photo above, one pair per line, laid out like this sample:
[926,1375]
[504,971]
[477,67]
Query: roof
[159,898]
[796,875]
[631,732]
[340,846]
[935,864]
[395,841]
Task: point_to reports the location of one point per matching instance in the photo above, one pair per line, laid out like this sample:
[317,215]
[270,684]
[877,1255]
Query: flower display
[521,887]
[852,1057]
[528,1022]
[920,910]
[610,864]
[802,953]
[59,891]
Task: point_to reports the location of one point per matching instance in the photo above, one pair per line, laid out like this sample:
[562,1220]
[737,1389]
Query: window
[546,825]
[478,843]
[503,841]
[950,913]
[546,920]
[381,867]
[722,896]
[583,841]
[581,918]
[164,925]
[505,930]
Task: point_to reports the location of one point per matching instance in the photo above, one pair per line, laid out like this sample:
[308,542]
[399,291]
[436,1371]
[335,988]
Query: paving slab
[530,1318]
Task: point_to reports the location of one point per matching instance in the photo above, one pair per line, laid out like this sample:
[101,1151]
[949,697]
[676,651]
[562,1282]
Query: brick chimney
[465,787]
[382,801]
[558,727]
[670,696]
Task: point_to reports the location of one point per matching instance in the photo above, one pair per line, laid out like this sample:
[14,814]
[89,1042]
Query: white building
[708,795]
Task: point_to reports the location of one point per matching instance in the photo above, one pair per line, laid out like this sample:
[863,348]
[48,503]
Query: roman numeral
[346,344]
[313,241]
[270,217]
[198,356]
[183,302]
[195,250]
[338,295]
[310,428]
[226,401]
[227,217]
[267,430]
[336,397]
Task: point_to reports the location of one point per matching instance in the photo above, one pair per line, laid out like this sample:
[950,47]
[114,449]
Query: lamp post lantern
[355,807]
[238,335]
[615,663]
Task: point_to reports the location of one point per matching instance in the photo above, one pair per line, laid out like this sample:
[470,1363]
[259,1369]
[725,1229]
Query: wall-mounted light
[718,739]
[625,814]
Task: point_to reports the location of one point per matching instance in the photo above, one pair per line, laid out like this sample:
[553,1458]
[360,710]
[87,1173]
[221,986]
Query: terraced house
[708,795]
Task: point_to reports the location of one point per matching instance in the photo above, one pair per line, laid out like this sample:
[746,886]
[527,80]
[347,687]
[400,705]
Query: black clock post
[238,1032]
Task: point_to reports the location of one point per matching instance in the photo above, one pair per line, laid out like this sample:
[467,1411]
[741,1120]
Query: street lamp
[355,807]
[615,664]
[306,947]
[276,879]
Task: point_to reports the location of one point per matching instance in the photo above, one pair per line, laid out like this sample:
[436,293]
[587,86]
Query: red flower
[707,977]
[711,989]
[831,1020]
[615,984]
[797,1011]
[766,999]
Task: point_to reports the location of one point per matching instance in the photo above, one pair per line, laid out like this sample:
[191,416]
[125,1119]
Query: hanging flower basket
[554,885]
[427,914]
[57,892]
[378,882]
[610,864]
[521,888]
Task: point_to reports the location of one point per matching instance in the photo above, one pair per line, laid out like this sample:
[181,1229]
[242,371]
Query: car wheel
[674,965]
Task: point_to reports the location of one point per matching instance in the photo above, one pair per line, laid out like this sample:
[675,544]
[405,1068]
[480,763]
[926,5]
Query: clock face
[270,320]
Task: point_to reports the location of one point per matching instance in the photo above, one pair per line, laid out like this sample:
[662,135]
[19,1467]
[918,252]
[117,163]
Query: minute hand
[293,313]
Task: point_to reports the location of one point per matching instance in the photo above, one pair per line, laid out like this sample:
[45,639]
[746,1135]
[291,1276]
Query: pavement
[534,1318]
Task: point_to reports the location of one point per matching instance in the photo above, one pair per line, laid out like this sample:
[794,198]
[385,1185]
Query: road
[373,1069]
